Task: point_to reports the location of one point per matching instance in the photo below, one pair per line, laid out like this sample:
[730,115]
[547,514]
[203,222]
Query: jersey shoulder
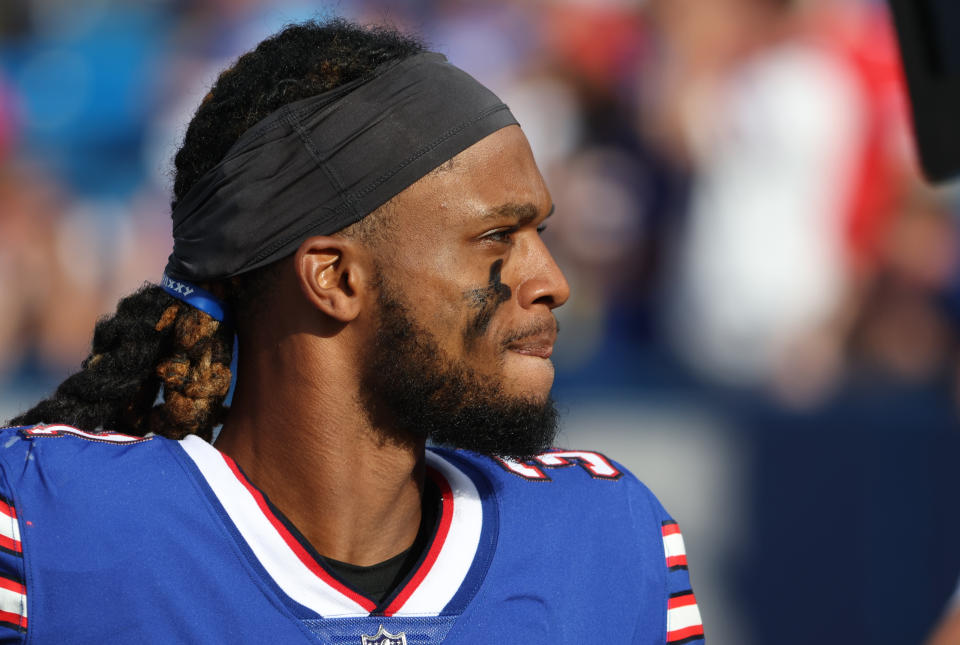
[584,481]
[62,442]
[57,430]
[598,514]
[559,471]
[58,487]
[66,461]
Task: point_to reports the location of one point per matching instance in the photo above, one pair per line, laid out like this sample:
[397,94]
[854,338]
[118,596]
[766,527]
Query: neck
[302,438]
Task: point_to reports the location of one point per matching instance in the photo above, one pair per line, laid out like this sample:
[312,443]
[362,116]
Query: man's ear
[332,275]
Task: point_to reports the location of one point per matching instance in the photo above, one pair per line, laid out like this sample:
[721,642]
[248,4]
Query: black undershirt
[377,581]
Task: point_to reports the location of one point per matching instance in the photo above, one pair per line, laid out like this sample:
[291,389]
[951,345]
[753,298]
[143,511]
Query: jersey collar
[457,552]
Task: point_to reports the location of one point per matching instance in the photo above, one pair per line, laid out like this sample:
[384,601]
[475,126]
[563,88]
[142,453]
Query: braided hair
[155,340]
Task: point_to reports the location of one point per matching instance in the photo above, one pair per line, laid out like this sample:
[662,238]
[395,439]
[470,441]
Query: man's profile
[365,219]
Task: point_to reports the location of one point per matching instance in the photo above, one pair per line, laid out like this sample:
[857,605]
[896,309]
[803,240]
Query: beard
[411,389]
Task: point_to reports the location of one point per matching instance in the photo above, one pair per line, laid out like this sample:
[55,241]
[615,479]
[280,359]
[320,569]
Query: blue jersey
[106,538]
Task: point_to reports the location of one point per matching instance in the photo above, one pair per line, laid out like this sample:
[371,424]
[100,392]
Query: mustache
[538,328]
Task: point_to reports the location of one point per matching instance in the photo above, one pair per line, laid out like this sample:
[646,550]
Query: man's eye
[501,235]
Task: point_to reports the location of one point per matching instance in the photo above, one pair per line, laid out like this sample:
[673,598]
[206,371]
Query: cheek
[443,313]
[458,313]
[429,253]
[421,279]
[485,301]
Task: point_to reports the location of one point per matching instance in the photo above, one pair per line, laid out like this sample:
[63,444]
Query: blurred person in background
[902,326]
[788,115]
[811,284]
[26,231]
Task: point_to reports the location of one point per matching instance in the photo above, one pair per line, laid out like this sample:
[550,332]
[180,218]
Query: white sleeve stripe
[673,545]
[13,602]
[9,526]
[683,617]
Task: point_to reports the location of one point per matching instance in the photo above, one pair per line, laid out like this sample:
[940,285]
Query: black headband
[320,164]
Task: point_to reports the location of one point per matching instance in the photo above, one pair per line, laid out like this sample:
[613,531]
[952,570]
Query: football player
[365,219]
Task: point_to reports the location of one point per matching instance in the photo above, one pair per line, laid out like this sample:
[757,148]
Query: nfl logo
[383,637]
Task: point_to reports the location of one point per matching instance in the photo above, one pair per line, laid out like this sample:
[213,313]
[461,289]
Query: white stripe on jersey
[281,563]
[9,526]
[683,617]
[13,602]
[455,559]
[673,545]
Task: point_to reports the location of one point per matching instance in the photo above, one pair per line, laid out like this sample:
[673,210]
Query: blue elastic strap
[196,297]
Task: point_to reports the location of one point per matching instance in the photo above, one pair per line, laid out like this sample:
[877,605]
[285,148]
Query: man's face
[464,299]
[468,263]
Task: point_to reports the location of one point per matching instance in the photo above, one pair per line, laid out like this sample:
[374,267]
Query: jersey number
[594,463]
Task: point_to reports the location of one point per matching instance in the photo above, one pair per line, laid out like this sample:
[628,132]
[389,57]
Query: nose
[544,282]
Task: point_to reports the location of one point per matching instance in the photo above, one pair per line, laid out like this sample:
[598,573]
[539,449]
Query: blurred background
[766,297]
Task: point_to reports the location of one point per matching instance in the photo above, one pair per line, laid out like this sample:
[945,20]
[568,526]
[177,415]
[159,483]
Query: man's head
[442,299]
[437,303]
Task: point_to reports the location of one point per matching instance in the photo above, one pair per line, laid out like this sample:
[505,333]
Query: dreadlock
[155,340]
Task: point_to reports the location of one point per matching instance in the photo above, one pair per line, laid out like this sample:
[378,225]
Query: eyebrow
[525,213]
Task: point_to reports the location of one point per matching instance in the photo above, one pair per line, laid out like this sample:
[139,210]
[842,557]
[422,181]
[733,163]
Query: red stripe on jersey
[686,632]
[9,543]
[681,601]
[446,517]
[670,529]
[294,544]
[677,561]
[6,509]
[12,585]
[13,619]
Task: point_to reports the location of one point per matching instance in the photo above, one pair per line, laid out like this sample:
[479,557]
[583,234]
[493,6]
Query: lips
[539,345]
[540,351]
